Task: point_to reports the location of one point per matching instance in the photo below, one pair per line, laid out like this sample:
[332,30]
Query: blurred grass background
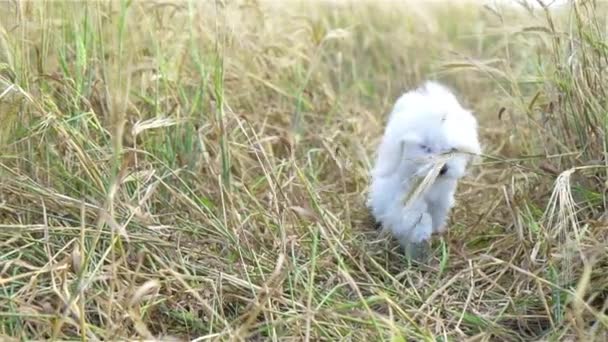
[198,170]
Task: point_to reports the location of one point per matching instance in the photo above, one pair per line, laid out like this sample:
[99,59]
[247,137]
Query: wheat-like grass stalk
[420,185]
[233,207]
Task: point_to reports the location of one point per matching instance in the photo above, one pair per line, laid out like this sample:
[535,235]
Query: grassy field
[198,171]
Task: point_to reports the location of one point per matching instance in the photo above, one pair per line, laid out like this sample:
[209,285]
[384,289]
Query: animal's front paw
[419,252]
[417,243]
[422,230]
[440,211]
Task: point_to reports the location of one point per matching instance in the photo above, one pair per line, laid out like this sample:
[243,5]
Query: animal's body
[424,124]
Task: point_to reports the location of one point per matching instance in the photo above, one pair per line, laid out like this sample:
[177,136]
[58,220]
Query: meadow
[198,170]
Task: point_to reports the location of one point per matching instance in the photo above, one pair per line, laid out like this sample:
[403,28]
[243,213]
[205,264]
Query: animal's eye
[426,148]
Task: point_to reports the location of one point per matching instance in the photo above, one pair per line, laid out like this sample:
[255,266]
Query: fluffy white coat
[424,123]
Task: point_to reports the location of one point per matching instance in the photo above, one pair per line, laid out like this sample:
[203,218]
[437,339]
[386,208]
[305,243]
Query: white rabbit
[428,134]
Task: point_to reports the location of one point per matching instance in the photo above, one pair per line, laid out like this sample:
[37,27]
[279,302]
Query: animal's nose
[443,170]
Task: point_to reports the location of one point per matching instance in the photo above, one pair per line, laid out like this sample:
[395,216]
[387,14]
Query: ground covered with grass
[198,171]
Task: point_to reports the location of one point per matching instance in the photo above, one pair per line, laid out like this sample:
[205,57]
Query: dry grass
[198,170]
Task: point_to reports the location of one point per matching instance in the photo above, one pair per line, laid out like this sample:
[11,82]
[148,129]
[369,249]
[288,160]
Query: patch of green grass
[198,170]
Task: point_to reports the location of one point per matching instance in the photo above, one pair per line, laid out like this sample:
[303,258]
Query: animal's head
[459,136]
[425,127]
[453,144]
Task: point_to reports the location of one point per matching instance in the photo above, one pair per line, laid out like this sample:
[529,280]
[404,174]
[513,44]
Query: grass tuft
[198,170]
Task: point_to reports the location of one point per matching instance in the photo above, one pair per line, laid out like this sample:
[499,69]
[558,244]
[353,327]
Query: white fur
[423,124]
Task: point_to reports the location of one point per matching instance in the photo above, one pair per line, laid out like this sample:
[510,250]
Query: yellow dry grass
[198,171]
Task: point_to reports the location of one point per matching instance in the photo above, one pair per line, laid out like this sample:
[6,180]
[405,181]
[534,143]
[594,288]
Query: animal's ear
[472,147]
[390,154]
[476,157]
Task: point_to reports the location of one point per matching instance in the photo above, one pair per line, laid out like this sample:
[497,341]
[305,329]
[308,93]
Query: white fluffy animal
[430,135]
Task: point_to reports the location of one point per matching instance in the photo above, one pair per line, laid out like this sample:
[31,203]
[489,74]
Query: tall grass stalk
[198,170]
